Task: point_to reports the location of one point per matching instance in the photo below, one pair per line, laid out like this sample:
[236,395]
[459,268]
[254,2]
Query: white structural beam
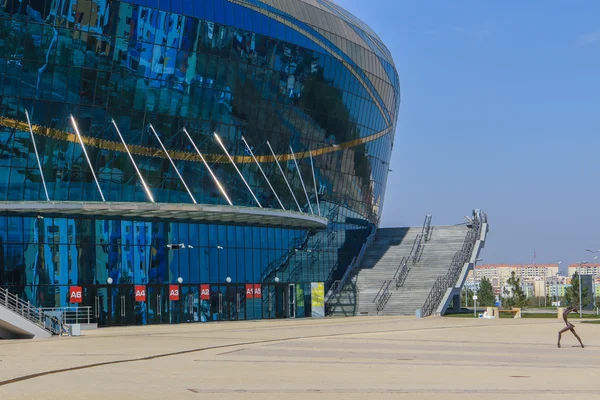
[301,181]
[223,192]
[283,174]
[312,166]
[173,164]
[86,156]
[237,169]
[37,156]
[146,188]
[263,173]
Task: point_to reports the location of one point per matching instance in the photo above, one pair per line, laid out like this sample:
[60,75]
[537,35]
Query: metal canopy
[211,213]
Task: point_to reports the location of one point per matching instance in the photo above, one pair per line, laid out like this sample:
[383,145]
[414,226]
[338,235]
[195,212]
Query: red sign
[173,292]
[204,292]
[253,291]
[257,291]
[75,294]
[140,293]
[249,291]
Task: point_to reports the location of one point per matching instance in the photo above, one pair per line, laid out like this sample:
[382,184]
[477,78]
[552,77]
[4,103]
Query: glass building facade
[310,89]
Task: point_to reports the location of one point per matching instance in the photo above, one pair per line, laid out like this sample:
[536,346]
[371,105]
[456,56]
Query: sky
[500,111]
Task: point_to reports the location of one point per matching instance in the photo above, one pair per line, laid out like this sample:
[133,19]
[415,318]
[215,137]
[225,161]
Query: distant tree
[512,294]
[572,293]
[485,294]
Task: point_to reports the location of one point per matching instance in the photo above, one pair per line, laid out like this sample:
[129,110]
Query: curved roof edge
[210,213]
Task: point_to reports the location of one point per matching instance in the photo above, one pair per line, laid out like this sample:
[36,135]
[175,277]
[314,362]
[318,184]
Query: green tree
[513,295]
[572,293]
[486,293]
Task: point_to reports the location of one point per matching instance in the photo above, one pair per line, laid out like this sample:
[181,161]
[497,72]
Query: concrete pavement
[350,358]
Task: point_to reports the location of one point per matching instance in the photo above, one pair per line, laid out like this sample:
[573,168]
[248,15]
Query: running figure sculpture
[570,326]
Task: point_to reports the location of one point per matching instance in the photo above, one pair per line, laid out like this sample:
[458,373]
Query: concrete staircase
[384,257]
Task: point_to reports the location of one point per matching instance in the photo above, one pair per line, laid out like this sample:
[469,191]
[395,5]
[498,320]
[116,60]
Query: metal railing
[401,272]
[427,231]
[460,258]
[338,285]
[383,295]
[33,314]
[71,315]
[417,249]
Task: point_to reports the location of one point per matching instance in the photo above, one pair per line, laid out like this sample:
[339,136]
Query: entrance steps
[20,320]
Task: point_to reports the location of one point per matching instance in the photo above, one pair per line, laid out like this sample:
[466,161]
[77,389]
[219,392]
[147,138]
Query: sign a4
[173,292]
[204,292]
[140,293]
[75,294]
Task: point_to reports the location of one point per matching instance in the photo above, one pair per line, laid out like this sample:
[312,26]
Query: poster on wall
[317,299]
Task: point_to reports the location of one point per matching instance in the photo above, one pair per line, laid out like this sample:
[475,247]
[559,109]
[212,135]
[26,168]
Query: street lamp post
[579,276]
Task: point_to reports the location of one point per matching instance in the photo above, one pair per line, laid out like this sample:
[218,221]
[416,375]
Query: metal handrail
[338,285]
[402,275]
[383,299]
[71,315]
[379,292]
[426,231]
[33,314]
[417,249]
[460,258]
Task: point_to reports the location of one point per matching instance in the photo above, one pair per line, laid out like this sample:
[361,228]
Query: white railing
[336,287]
[71,315]
[33,314]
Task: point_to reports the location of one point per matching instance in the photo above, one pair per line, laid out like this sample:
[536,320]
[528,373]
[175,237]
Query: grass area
[529,315]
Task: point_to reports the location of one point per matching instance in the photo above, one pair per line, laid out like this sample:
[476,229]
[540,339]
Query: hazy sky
[500,111]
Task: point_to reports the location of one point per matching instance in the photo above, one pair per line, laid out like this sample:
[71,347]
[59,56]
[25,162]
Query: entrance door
[113,305]
[122,301]
[291,297]
[237,302]
[190,308]
[100,306]
[274,300]
[218,303]
[158,304]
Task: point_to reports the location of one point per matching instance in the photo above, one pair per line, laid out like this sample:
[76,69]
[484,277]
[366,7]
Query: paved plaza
[350,358]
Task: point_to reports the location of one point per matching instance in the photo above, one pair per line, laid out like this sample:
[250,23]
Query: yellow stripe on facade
[177,154]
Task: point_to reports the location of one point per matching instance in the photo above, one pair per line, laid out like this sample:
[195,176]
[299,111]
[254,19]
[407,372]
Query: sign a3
[173,292]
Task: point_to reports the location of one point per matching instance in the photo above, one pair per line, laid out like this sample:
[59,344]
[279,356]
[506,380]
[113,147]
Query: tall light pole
[579,276]
[593,276]
[556,281]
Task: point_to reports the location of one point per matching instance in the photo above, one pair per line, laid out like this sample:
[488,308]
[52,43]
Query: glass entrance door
[237,302]
[122,303]
[274,300]
[158,304]
[113,305]
[291,301]
[190,308]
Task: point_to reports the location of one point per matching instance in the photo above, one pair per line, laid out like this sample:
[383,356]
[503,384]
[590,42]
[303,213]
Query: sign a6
[173,292]
[140,293]
[75,294]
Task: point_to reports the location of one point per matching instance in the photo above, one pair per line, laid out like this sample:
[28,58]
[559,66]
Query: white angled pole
[146,188]
[314,181]
[286,181]
[37,156]
[263,172]
[301,180]
[173,164]
[236,168]
[223,192]
[86,156]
